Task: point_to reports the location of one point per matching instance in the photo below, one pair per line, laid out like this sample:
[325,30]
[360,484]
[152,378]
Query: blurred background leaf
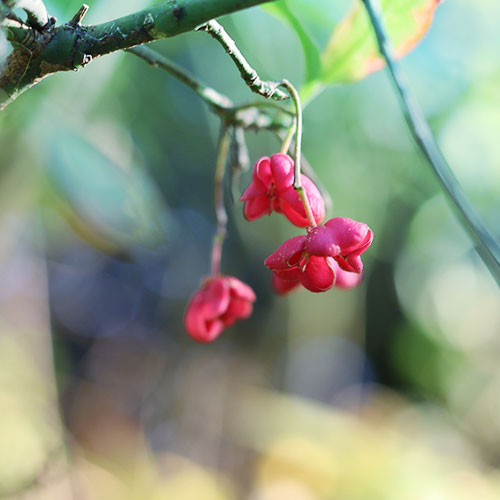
[119,202]
[309,47]
[351,52]
[348,51]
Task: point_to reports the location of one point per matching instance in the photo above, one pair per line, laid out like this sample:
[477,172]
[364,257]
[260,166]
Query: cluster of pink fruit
[328,255]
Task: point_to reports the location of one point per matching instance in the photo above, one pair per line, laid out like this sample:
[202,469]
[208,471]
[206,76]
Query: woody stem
[297,183]
[220,209]
[251,78]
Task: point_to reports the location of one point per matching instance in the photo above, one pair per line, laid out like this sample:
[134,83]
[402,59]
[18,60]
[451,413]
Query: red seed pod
[220,302]
[272,189]
[327,254]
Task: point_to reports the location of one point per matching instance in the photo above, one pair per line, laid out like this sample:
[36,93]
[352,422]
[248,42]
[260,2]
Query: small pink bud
[219,303]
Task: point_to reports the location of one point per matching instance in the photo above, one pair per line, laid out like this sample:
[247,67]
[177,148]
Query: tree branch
[71,46]
[486,246]
[246,116]
[219,102]
[249,75]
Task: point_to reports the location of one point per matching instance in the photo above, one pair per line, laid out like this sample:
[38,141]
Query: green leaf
[119,203]
[311,51]
[351,53]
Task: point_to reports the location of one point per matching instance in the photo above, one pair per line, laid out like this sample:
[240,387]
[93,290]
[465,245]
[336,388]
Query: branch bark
[38,54]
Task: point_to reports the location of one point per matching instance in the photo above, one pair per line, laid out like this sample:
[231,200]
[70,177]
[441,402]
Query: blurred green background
[388,391]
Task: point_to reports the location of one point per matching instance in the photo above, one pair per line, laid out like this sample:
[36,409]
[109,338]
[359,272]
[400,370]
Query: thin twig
[267,104]
[247,116]
[240,148]
[487,248]
[211,96]
[78,17]
[309,171]
[298,135]
[254,119]
[297,182]
[249,75]
[239,160]
[220,209]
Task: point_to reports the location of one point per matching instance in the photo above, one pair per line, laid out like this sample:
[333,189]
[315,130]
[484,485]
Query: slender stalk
[267,104]
[264,88]
[487,247]
[220,209]
[309,171]
[241,158]
[298,139]
[247,116]
[211,96]
[297,183]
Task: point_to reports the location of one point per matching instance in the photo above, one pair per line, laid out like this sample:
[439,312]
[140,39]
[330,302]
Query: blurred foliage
[351,52]
[386,391]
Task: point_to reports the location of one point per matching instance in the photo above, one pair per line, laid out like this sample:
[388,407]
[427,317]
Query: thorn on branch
[78,17]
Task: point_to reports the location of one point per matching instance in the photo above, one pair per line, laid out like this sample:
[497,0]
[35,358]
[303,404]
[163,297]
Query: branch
[246,116]
[71,46]
[487,248]
[219,102]
[249,75]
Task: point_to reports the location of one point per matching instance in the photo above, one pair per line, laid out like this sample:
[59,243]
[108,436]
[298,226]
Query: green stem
[487,247]
[246,116]
[240,156]
[249,75]
[220,209]
[267,104]
[212,97]
[309,171]
[298,139]
[297,182]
